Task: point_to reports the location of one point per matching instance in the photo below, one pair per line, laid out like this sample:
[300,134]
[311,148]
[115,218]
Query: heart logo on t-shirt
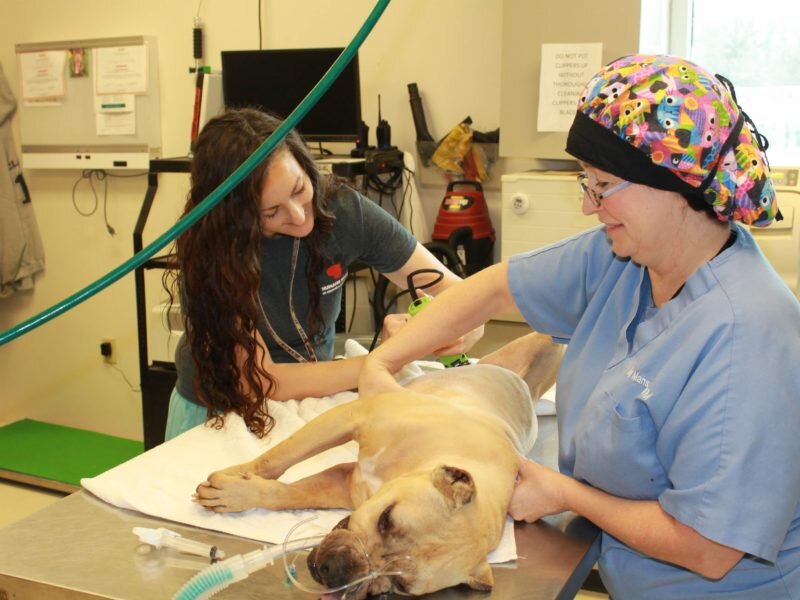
[334,271]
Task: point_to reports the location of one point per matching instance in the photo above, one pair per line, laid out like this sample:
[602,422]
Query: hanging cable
[128,381]
[84,175]
[354,279]
[409,174]
[90,175]
[216,196]
[260,35]
[410,290]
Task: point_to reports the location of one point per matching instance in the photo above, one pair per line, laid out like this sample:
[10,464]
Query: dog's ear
[455,484]
[481,578]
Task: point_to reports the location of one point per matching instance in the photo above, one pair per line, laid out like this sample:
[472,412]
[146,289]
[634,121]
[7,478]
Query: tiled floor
[18,501]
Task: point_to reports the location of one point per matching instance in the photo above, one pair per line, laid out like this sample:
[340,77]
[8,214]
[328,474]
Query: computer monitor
[277,80]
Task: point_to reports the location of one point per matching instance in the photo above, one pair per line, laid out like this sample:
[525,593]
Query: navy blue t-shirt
[363,231]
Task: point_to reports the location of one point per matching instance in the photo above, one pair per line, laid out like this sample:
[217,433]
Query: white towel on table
[161,481]
[546,405]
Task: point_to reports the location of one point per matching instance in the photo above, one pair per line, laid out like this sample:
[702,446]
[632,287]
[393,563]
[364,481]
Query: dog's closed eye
[399,585]
[385,520]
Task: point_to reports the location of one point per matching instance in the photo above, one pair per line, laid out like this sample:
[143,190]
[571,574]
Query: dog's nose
[338,565]
[311,562]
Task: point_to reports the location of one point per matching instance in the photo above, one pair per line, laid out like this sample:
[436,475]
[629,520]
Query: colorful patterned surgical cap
[665,122]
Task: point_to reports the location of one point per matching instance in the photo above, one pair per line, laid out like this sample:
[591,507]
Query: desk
[81,547]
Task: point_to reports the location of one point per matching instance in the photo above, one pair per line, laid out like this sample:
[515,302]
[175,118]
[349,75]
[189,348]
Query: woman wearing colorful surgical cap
[677,396]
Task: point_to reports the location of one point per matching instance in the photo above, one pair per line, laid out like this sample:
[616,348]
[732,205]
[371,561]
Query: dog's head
[423,531]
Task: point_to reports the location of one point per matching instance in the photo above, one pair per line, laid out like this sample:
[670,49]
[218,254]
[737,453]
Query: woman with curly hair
[261,276]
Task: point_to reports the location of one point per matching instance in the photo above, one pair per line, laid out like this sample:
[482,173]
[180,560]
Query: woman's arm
[456,311]
[641,524]
[422,258]
[303,380]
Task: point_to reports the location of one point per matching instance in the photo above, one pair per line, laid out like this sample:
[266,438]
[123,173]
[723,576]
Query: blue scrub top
[695,404]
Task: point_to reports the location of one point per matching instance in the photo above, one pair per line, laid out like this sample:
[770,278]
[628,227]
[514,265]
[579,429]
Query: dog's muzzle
[339,560]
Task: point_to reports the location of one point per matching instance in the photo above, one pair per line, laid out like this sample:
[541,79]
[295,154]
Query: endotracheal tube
[218,576]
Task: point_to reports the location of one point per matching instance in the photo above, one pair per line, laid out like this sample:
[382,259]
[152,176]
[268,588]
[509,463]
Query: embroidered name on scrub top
[634,375]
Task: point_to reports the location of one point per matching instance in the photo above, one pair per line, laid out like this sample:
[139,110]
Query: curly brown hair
[218,270]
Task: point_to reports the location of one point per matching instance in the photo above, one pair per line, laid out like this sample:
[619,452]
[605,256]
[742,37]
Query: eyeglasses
[597,198]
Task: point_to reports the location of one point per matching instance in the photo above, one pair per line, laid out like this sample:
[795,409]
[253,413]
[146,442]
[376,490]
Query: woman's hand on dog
[539,492]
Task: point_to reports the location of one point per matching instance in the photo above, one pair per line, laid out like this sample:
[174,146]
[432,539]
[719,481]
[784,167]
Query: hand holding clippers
[421,301]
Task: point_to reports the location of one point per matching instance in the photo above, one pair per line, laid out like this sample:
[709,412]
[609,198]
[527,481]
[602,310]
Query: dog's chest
[367,467]
[486,393]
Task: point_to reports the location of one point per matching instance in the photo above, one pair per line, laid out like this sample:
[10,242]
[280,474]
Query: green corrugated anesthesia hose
[215,197]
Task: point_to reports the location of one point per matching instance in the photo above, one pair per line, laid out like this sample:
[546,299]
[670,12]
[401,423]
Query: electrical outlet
[108,349]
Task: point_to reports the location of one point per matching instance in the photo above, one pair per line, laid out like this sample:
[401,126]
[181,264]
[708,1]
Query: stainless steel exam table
[82,547]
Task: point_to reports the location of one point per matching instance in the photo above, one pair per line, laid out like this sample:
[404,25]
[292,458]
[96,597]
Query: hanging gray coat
[21,252]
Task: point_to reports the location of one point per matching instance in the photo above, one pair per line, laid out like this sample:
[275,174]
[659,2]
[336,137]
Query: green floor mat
[58,453]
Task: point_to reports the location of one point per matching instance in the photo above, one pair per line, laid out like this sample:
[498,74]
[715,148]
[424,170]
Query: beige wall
[451,48]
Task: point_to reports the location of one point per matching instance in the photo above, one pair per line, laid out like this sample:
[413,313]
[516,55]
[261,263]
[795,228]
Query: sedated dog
[436,468]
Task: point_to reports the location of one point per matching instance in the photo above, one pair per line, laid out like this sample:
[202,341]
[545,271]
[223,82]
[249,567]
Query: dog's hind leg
[534,357]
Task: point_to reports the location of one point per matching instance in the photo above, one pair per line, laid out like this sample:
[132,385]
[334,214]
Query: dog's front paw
[229,493]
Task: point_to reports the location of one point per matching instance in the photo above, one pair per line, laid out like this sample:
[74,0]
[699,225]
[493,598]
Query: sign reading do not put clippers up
[565,70]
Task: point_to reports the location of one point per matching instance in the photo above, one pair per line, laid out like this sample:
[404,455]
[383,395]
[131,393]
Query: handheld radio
[384,131]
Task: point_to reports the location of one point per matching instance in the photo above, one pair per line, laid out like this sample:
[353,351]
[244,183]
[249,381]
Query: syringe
[162,537]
